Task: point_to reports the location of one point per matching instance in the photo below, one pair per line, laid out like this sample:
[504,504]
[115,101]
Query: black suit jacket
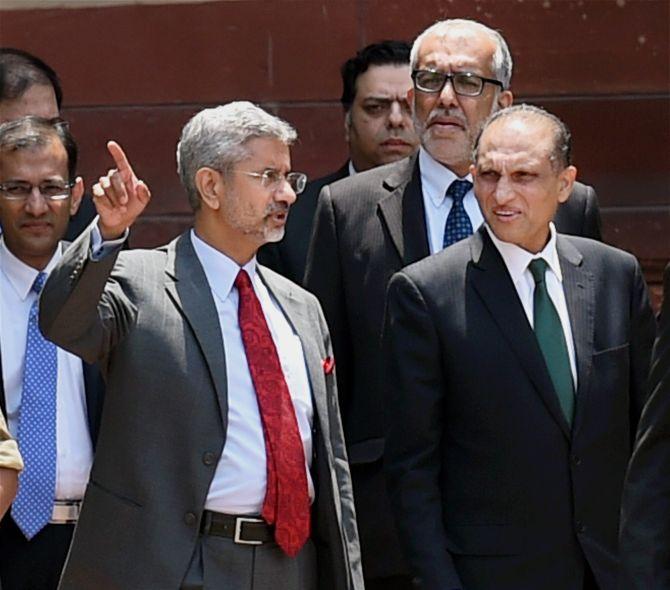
[366,228]
[490,486]
[645,521]
[289,256]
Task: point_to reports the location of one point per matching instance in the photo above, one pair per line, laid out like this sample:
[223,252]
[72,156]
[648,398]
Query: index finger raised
[120,159]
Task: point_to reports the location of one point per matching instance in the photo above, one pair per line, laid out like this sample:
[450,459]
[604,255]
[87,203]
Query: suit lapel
[187,286]
[579,289]
[493,284]
[295,312]
[403,212]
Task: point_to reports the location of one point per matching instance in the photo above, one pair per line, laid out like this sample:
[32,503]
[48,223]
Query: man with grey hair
[516,364]
[221,459]
[370,226]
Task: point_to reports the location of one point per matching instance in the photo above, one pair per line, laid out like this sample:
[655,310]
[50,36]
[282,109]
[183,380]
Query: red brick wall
[136,74]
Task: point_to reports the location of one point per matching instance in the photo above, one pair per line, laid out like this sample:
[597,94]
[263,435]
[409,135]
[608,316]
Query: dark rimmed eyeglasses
[272,179]
[463,83]
[50,190]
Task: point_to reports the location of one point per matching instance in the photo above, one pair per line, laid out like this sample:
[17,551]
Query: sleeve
[415,389]
[9,451]
[645,518]
[83,307]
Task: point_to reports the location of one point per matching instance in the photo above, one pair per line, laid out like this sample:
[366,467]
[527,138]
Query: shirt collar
[517,259]
[220,270]
[435,177]
[351,168]
[21,276]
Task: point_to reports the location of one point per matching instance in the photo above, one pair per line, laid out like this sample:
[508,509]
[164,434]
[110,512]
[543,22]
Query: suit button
[576,460]
[580,526]
[208,458]
[190,518]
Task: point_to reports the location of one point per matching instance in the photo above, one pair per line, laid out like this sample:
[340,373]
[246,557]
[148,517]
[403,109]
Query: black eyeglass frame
[450,78]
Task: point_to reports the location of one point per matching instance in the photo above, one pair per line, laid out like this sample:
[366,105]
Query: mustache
[441,112]
[274,207]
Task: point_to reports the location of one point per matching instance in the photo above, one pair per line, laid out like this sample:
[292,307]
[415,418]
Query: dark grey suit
[645,518]
[150,318]
[289,256]
[367,227]
[490,486]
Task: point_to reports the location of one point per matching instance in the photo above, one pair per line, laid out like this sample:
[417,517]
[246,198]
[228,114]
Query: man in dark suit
[29,86]
[378,129]
[645,517]
[370,226]
[52,400]
[516,365]
[221,422]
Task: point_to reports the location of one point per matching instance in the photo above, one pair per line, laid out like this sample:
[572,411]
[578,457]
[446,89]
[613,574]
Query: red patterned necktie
[286,502]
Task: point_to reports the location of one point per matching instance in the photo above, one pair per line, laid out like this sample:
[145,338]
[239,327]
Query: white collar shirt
[435,180]
[239,482]
[74,451]
[517,260]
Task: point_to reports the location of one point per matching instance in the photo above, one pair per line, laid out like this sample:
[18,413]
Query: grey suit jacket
[149,318]
[490,486]
[366,228]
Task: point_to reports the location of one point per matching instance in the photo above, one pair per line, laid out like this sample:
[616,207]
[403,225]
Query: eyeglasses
[50,190]
[271,179]
[463,83]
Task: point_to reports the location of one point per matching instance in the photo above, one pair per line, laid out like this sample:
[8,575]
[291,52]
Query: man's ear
[567,180]
[210,185]
[505,99]
[347,124]
[76,195]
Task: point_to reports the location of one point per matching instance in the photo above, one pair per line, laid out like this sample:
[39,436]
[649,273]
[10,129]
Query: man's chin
[275,235]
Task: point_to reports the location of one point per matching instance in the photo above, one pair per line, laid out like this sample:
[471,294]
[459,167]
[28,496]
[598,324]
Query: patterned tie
[550,337]
[33,505]
[458,224]
[286,502]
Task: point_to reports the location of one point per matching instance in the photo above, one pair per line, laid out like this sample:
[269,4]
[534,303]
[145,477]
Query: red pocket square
[328,365]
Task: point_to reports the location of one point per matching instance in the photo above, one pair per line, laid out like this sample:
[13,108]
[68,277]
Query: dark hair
[561,152]
[31,132]
[377,54]
[19,70]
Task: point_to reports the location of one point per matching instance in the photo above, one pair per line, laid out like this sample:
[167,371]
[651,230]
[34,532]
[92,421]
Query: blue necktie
[458,224]
[33,505]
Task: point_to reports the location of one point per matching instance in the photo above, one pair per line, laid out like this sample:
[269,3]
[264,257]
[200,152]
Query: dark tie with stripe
[458,225]
[550,337]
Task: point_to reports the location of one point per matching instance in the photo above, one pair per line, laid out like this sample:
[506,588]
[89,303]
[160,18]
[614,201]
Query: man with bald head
[369,226]
[516,365]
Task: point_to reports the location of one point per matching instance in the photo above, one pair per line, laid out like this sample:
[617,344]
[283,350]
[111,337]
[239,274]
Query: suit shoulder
[597,253]
[368,185]
[281,284]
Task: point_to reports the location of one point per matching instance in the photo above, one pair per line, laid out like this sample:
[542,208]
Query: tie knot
[39,282]
[538,268]
[458,189]
[242,281]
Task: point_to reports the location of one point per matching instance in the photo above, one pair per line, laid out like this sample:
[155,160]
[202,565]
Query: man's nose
[448,97]
[504,191]
[36,203]
[397,117]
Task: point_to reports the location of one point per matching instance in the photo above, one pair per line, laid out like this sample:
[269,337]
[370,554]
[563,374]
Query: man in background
[378,130]
[52,399]
[10,465]
[29,86]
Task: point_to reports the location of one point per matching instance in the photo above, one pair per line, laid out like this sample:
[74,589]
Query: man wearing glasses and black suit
[370,226]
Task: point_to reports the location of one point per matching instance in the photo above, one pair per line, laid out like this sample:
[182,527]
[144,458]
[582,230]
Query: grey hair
[217,138]
[561,151]
[501,65]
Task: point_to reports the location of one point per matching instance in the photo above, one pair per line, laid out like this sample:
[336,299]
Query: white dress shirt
[517,260]
[435,180]
[74,451]
[239,482]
